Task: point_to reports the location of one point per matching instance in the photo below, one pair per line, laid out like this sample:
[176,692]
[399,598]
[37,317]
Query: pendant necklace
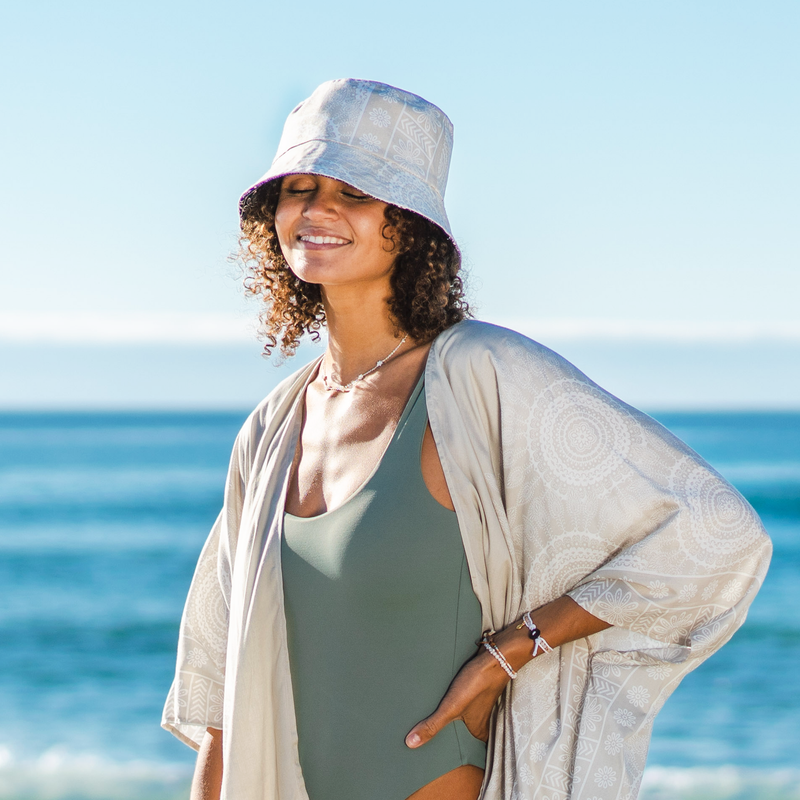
[332,386]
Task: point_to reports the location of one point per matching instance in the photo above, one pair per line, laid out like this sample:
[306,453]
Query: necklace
[332,386]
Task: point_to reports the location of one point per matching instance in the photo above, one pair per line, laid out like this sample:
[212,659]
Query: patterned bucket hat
[387,143]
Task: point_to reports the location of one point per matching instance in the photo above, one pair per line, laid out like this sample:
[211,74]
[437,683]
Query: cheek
[283,229]
[374,230]
[285,215]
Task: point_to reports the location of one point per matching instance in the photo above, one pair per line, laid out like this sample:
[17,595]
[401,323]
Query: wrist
[515,645]
[494,673]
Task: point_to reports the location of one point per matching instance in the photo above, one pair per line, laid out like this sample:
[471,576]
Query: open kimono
[559,488]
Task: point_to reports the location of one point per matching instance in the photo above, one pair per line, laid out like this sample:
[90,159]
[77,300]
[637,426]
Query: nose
[320,204]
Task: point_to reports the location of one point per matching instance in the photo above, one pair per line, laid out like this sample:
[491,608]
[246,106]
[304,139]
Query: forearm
[207,780]
[560,622]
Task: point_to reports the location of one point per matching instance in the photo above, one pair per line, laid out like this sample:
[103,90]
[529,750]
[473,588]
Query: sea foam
[58,774]
[720,783]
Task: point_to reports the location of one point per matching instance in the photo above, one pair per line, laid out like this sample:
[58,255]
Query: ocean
[102,516]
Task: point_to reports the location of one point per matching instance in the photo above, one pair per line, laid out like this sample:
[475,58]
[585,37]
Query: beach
[102,517]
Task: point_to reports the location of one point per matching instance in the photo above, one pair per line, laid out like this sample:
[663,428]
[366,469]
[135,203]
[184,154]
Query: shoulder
[270,415]
[473,334]
[486,350]
[493,368]
[287,389]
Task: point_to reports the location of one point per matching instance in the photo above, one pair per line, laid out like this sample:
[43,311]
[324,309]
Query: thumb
[424,731]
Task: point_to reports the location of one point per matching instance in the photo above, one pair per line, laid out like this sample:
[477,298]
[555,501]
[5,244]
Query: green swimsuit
[380,615]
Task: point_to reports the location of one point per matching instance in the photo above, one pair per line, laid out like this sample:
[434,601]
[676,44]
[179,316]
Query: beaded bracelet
[487,640]
[539,642]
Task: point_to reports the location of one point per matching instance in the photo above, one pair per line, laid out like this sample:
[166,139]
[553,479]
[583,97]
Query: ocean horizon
[678,374]
[102,516]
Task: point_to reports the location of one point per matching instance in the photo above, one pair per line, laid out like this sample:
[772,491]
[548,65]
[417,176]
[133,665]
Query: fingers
[424,731]
[473,691]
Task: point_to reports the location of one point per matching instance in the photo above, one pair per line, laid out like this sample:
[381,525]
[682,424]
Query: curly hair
[427,290]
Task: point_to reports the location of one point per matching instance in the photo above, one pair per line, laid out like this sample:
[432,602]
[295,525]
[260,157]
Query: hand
[470,697]
[474,691]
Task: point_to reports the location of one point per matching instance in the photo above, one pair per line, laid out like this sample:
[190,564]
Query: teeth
[323,239]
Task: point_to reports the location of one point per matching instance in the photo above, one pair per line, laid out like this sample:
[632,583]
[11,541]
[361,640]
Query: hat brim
[393,183]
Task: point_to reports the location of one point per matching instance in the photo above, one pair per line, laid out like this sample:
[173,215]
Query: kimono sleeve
[669,551]
[195,699]
[685,572]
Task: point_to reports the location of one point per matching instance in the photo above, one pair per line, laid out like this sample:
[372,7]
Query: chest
[343,438]
[342,441]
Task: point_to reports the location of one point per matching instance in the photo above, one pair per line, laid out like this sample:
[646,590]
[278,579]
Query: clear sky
[621,169]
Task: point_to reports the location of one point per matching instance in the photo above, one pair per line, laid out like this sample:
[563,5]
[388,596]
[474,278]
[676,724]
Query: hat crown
[388,143]
[389,123]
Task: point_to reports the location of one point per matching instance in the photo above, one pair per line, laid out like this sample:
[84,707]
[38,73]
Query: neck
[360,331]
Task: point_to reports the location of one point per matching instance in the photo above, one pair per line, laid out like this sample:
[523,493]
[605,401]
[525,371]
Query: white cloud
[126,328]
[178,328]
[668,331]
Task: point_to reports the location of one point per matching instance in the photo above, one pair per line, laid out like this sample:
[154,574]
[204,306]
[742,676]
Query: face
[331,233]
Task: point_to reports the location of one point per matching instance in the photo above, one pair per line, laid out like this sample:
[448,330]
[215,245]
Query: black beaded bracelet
[539,642]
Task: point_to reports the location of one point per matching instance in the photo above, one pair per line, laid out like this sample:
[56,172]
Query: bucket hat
[387,143]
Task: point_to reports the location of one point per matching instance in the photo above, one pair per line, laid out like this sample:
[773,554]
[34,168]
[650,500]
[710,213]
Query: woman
[376,522]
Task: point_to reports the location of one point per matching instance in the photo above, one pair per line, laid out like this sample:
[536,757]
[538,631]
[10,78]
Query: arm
[474,691]
[207,780]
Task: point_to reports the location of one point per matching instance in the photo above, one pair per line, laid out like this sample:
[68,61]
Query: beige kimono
[558,488]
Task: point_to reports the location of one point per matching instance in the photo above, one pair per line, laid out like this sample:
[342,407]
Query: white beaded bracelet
[488,642]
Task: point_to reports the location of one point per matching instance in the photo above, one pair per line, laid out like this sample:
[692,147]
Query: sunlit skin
[336,236]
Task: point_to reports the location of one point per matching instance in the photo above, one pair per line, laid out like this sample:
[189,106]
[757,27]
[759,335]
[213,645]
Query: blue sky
[624,172]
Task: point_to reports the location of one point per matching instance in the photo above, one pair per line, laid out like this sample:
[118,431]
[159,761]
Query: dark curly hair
[427,291]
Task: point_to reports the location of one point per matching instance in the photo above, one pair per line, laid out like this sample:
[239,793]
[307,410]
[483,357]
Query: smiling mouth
[323,239]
